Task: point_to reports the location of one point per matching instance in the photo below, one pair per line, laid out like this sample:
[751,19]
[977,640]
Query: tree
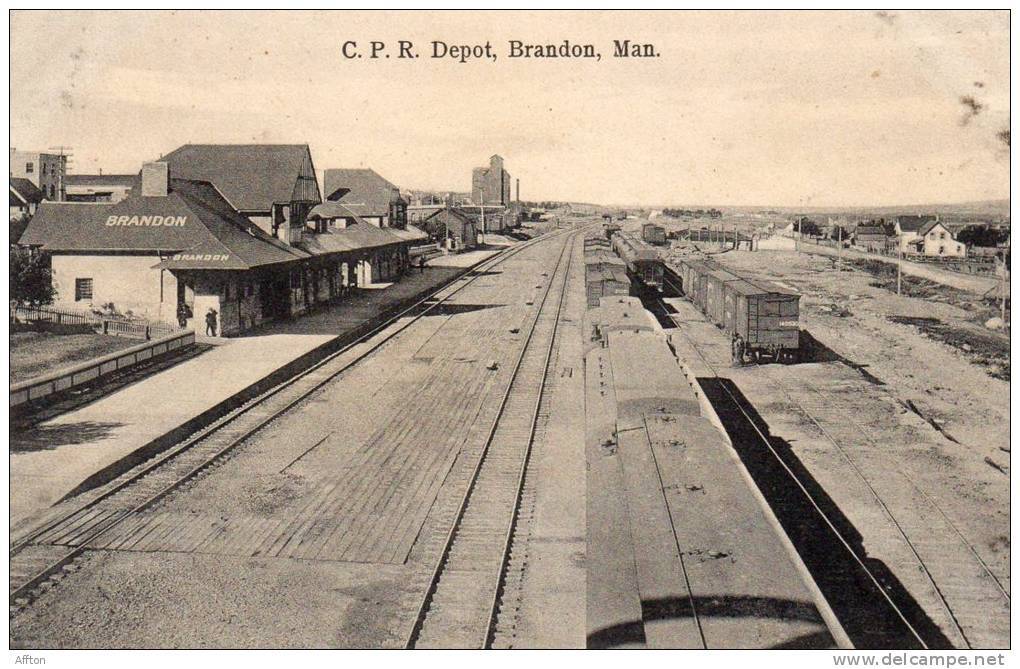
[981,235]
[808,227]
[31,279]
[18,225]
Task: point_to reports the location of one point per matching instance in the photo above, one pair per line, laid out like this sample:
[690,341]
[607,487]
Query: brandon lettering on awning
[152,221]
[221,257]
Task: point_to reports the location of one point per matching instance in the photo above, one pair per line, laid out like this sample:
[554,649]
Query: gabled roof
[26,191]
[252,177]
[869,229]
[129,180]
[206,232]
[912,223]
[330,210]
[929,226]
[363,191]
[445,217]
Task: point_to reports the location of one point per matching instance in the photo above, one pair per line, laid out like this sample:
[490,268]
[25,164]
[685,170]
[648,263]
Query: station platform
[683,551]
[66,454]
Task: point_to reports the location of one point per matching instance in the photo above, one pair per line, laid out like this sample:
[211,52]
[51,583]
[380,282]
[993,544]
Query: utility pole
[65,157]
[1002,291]
[483,218]
[899,266]
[839,248]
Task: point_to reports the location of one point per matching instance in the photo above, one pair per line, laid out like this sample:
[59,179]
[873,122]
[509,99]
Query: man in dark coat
[210,322]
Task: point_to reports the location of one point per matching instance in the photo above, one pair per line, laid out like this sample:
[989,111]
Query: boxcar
[653,234]
[763,317]
[605,282]
[767,319]
[603,260]
[714,295]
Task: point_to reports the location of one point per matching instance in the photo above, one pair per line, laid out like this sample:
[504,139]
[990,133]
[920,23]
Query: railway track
[461,602]
[46,554]
[978,610]
[918,522]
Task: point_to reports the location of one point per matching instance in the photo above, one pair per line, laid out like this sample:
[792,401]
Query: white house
[935,239]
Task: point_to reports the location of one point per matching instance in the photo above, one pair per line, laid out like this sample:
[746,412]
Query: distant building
[368,195]
[99,187]
[418,213]
[454,225]
[907,228]
[871,236]
[273,185]
[491,185]
[935,239]
[45,170]
[25,197]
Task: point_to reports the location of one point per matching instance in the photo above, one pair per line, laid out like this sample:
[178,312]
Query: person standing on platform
[210,322]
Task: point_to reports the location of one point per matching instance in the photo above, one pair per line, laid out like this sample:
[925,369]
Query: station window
[83,290]
[29,167]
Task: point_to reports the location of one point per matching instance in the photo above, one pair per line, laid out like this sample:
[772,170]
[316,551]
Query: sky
[740,108]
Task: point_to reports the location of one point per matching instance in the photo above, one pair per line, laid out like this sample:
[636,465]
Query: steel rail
[422,607]
[460,283]
[793,476]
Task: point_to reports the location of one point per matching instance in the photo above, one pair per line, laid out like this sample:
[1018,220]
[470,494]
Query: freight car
[605,281]
[642,260]
[653,234]
[762,317]
[603,260]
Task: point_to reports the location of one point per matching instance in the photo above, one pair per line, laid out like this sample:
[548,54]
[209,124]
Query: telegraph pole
[839,248]
[899,266]
[483,218]
[1002,291]
[65,156]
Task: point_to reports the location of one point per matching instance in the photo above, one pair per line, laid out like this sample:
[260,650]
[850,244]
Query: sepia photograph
[520,329]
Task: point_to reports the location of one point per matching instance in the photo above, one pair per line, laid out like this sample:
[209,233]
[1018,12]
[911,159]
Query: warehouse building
[452,225]
[99,187]
[46,171]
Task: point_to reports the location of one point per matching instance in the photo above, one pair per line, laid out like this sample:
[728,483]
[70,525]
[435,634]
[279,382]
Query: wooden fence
[118,327]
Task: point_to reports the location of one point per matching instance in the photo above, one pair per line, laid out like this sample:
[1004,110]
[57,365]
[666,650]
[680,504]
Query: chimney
[518,198]
[155,179]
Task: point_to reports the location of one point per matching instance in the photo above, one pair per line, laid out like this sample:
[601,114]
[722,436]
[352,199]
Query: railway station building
[367,195]
[177,245]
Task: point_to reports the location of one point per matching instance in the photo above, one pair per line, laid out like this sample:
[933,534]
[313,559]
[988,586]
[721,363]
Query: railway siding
[840,426]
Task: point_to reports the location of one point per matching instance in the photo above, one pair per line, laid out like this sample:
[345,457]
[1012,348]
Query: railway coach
[762,317]
[653,234]
[642,260]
